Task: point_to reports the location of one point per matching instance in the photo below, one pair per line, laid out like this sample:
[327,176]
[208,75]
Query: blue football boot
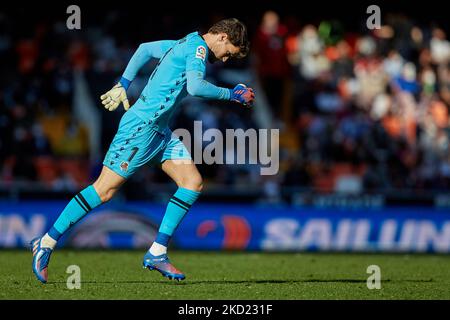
[162,264]
[41,258]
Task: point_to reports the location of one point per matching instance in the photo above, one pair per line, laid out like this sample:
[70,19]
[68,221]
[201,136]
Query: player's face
[222,49]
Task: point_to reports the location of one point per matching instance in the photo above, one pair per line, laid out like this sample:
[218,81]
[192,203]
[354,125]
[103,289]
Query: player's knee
[105,194]
[193,183]
[198,186]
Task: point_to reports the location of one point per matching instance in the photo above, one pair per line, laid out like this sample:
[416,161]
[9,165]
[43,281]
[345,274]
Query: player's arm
[197,85]
[143,54]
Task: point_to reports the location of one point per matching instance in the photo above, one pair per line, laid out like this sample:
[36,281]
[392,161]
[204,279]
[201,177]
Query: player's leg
[121,160]
[177,164]
[189,182]
[101,191]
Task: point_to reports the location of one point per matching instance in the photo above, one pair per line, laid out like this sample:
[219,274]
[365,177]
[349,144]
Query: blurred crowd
[361,111]
[358,110]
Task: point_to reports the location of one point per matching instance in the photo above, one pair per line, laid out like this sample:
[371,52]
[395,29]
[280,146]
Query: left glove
[242,94]
[114,97]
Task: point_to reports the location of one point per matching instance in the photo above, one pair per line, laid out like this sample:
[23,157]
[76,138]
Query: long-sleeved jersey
[180,70]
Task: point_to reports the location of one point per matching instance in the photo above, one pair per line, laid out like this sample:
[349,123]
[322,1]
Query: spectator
[271,60]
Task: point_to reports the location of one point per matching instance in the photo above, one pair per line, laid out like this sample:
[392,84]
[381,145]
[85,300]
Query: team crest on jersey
[201,52]
[124,166]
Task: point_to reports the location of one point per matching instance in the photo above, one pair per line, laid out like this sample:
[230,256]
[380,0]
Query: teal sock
[178,206]
[77,208]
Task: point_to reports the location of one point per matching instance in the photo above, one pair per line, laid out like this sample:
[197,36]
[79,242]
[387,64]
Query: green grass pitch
[229,275]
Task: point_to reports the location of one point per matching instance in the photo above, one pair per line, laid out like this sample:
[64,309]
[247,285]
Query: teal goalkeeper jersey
[180,70]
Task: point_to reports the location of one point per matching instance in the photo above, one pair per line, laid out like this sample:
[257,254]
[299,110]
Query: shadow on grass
[268,281]
[246,282]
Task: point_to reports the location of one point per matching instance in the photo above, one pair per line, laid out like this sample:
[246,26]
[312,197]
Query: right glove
[114,97]
[242,94]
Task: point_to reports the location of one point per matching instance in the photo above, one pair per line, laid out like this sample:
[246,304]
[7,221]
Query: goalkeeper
[143,135]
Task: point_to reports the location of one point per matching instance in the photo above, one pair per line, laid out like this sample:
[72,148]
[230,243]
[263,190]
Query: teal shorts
[137,143]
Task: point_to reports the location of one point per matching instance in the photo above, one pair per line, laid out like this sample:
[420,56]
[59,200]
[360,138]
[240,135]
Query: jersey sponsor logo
[200,53]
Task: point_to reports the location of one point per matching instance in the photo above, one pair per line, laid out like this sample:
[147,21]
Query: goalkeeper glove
[114,97]
[242,94]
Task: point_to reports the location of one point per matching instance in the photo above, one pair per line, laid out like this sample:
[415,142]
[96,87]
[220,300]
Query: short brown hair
[236,32]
